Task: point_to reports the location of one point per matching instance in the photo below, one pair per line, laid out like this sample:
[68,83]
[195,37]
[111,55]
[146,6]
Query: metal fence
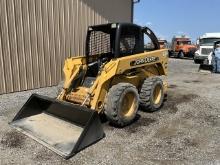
[37,35]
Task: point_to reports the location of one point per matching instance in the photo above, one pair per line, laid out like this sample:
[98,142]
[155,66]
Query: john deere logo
[144,61]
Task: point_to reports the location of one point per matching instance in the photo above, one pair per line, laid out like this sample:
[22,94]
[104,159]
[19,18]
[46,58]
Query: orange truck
[182,46]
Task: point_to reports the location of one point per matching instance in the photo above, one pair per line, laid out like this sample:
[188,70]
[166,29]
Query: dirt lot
[185,131]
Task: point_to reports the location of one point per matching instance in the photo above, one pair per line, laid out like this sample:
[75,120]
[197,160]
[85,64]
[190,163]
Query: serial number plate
[144,61]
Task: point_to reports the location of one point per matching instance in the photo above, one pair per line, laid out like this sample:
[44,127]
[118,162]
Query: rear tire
[151,94]
[121,104]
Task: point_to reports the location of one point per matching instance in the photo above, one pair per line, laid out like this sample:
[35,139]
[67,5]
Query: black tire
[147,94]
[196,61]
[180,54]
[121,104]
[191,55]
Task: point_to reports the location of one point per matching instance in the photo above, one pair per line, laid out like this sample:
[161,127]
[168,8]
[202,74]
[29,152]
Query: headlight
[196,54]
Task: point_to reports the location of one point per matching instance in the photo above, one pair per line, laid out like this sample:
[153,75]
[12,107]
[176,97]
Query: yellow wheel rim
[157,93]
[128,104]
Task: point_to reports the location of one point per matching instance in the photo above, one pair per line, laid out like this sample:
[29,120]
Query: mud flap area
[62,127]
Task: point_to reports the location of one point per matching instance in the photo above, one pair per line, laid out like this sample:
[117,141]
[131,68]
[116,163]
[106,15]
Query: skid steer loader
[114,78]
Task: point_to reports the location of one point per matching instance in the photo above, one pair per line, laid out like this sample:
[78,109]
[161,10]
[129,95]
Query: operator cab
[114,40]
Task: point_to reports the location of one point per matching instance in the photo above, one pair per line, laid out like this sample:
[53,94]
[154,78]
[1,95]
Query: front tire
[180,54]
[151,94]
[121,104]
[196,61]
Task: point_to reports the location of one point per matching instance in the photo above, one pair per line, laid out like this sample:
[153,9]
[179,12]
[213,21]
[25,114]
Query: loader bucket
[62,127]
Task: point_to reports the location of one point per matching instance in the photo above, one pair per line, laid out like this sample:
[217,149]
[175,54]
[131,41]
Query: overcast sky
[172,17]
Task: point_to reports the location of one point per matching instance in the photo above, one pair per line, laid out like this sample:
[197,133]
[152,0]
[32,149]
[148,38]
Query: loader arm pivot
[72,69]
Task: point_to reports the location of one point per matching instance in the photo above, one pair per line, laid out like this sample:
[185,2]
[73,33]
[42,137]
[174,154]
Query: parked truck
[205,47]
[182,46]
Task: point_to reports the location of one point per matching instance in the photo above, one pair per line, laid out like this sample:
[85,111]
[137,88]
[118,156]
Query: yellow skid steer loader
[116,76]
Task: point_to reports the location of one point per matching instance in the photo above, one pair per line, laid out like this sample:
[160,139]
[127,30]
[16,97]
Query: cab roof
[210,35]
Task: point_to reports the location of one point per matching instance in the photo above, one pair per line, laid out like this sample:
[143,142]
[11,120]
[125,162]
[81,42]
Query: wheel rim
[157,94]
[128,106]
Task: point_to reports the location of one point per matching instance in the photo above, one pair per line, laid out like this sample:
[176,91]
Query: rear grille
[206,51]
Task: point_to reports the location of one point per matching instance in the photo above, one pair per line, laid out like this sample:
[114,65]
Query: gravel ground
[185,131]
